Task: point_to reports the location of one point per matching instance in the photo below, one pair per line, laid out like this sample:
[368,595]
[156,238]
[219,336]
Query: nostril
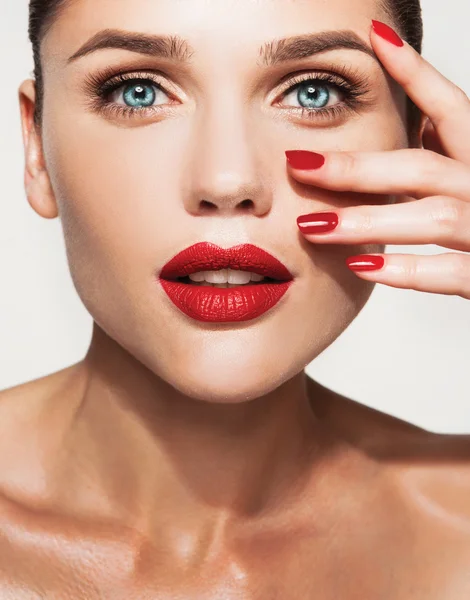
[207,205]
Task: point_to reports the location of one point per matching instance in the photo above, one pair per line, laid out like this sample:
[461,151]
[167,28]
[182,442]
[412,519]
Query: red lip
[241,303]
[209,257]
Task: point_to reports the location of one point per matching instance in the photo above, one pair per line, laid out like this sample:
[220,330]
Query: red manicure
[318,222]
[365,262]
[387,33]
[303,159]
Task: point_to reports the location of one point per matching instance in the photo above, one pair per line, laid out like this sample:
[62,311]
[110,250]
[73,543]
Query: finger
[442,101]
[411,172]
[436,220]
[438,274]
[431,139]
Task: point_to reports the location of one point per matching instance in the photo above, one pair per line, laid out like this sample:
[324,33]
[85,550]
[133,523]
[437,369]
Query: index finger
[446,105]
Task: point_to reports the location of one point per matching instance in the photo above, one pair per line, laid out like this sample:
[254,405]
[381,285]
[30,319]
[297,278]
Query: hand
[436,177]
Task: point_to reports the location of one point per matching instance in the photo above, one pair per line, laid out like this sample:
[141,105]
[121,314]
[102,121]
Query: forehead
[207,24]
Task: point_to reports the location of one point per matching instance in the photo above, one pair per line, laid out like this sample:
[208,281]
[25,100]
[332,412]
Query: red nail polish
[387,33]
[318,222]
[303,159]
[365,262]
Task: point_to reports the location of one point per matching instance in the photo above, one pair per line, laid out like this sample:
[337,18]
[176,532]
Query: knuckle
[447,214]
[429,166]
[348,166]
[460,95]
[457,101]
[459,265]
[365,224]
[410,272]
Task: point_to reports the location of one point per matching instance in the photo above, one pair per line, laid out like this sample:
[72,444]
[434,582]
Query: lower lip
[224,305]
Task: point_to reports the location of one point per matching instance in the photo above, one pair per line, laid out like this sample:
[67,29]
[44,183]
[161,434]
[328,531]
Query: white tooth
[238,277]
[197,276]
[216,276]
[223,276]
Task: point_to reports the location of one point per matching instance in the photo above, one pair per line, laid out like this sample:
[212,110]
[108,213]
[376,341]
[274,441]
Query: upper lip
[206,256]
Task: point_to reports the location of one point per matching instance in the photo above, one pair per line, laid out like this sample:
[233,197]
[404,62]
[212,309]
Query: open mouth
[249,282]
[186,280]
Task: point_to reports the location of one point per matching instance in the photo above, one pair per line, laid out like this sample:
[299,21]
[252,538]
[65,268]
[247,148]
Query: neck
[157,452]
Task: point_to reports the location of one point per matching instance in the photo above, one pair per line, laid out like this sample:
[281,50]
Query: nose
[227,173]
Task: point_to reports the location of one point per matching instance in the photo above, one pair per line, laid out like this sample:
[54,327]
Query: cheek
[116,196]
[114,190]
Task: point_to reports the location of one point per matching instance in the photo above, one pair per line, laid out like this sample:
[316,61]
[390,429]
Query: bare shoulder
[428,471]
[381,434]
[38,386]
[31,415]
[36,391]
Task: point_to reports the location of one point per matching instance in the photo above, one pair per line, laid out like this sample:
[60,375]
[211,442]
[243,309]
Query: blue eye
[139,95]
[312,94]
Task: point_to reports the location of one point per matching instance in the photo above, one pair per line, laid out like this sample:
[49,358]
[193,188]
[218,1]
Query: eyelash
[351,85]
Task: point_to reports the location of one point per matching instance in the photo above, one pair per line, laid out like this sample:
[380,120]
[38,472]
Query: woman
[189,455]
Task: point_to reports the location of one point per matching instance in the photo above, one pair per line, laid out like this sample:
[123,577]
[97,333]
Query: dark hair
[406,14]
[42,14]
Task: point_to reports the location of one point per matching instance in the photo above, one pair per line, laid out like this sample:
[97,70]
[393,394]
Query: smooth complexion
[191,458]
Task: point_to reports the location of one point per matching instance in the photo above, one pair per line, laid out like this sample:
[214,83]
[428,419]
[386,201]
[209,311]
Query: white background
[407,353]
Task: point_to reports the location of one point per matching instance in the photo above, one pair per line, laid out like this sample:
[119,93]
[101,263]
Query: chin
[229,377]
[231,390]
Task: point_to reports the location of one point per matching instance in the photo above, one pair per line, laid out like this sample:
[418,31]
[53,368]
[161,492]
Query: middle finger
[435,220]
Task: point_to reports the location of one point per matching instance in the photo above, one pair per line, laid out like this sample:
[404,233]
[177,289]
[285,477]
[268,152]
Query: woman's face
[134,189]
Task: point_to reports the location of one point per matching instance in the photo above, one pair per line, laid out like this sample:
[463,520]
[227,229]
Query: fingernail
[387,33]
[365,262]
[318,222]
[303,159]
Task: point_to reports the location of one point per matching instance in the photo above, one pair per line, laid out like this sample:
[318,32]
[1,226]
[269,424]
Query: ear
[36,178]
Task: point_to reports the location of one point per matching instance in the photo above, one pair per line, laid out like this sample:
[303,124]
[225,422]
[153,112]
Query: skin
[150,470]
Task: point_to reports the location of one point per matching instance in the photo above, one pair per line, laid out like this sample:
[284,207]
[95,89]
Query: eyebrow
[177,49]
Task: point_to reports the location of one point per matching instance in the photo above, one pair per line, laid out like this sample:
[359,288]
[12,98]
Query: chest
[298,568]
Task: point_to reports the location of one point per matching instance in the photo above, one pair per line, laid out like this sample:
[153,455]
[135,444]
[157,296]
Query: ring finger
[438,274]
